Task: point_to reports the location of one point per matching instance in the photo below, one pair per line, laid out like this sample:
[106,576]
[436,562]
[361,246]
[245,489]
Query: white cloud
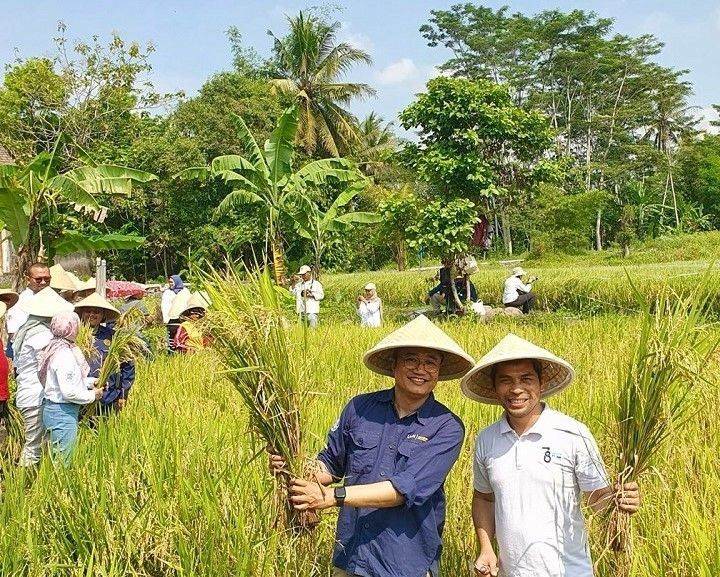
[397,72]
[355,39]
[705,115]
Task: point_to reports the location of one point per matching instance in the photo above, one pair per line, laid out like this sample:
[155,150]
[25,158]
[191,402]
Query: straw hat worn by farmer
[531,466]
[97,312]
[37,277]
[518,294]
[8,299]
[30,340]
[393,448]
[308,294]
[189,337]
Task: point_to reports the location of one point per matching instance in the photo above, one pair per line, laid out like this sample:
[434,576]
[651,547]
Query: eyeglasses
[40,278]
[429,365]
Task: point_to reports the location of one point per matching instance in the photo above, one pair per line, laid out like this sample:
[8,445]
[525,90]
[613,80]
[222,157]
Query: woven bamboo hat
[419,332]
[60,280]
[97,301]
[46,303]
[178,303]
[478,384]
[3,309]
[196,301]
[8,298]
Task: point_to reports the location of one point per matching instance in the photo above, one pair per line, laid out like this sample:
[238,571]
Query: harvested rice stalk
[264,364]
[658,388]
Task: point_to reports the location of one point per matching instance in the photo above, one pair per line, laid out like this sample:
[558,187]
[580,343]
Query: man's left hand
[628,498]
[120,404]
[310,495]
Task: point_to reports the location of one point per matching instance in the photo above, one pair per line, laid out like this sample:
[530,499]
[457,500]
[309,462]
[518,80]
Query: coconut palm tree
[375,143]
[310,65]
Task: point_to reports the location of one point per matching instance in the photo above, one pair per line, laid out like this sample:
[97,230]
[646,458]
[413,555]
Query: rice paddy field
[177,485]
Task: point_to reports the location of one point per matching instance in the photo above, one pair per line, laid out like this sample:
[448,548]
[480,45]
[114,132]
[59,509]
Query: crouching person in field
[532,466]
[388,455]
[98,313]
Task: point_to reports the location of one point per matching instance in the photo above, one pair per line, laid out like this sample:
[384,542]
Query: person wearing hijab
[175,287]
[99,314]
[30,340]
[369,307]
[63,371]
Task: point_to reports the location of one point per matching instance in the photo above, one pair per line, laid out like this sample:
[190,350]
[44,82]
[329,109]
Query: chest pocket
[363,452]
[405,451]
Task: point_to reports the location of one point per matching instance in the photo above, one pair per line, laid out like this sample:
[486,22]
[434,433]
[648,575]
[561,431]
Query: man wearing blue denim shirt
[392,450]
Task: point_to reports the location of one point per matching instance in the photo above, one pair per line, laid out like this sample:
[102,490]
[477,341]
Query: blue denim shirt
[369,443]
[119,384]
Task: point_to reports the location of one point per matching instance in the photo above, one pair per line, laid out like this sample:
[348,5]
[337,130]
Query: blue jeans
[61,423]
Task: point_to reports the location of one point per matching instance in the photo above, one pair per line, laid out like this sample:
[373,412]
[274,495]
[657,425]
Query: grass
[174,486]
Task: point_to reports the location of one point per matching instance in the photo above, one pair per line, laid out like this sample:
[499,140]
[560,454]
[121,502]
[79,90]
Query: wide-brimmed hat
[304,268]
[45,303]
[419,332]
[84,288]
[178,304]
[3,310]
[196,301]
[96,301]
[478,383]
[9,298]
[60,280]
[518,271]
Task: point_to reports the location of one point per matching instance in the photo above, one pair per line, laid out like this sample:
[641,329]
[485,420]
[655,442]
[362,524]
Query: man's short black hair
[536,363]
[37,265]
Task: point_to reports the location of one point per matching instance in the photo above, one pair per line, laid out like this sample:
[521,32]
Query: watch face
[339,493]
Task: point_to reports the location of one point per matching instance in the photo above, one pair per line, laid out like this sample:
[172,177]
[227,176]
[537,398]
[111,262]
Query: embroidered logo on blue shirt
[335,426]
[417,437]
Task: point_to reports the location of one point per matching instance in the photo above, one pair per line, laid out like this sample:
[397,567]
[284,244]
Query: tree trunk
[507,239]
[401,255]
[278,255]
[598,237]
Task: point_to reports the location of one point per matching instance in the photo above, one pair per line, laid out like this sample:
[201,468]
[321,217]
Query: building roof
[5,157]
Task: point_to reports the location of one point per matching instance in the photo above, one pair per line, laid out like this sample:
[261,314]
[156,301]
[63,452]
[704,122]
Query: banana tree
[34,199]
[316,225]
[266,177]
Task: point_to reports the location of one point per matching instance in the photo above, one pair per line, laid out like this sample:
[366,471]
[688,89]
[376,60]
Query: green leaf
[193,173]
[73,191]
[12,213]
[359,218]
[279,147]
[74,241]
[238,198]
[253,151]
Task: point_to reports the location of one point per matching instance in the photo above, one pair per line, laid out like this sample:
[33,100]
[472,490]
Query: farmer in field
[308,294]
[176,287]
[531,466]
[369,307]
[390,452]
[30,340]
[518,294]
[99,314]
[37,278]
[189,337]
[8,299]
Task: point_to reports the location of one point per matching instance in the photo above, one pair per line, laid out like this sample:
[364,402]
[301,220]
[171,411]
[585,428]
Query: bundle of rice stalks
[658,387]
[264,364]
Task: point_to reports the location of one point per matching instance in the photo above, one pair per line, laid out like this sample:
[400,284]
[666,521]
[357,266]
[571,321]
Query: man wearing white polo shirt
[532,468]
[308,294]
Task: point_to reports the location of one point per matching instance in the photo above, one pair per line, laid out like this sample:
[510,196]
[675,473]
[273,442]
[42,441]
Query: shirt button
[391,446]
[367,525]
[382,473]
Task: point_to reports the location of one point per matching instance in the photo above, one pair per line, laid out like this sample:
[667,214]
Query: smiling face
[92,316]
[518,386]
[171,283]
[416,372]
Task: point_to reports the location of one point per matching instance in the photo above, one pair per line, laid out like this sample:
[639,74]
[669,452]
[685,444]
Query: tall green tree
[265,177]
[310,65]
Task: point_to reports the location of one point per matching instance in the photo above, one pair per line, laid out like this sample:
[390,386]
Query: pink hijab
[64,327]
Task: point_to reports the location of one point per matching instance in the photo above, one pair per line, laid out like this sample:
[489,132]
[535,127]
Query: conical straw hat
[96,301]
[46,303]
[420,332]
[3,309]
[60,280]
[556,372]
[196,301]
[8,298]
[178,303]
[85,288]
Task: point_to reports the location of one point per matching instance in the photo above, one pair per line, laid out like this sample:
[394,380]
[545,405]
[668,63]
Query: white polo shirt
[16,317]
[309,305]
[538,480]
[511,287]
[29,391]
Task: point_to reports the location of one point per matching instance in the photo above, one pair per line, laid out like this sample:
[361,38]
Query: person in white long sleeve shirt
[518,294]
[63,371]
[369,307]
[308,294]
[37,278]
[31,338]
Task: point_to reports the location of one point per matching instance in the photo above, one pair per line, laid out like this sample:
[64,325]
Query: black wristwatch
[339,493]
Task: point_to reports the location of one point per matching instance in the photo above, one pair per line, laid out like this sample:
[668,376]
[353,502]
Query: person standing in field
[532,467]
[369,307]
[391,450]
[30,340]
[37,278]
[8,299]
[63,372]
[175,287]
[189,337]
[518,294]
[308,294]
[98,314]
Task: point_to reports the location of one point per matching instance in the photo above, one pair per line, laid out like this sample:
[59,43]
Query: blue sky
[191,44]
